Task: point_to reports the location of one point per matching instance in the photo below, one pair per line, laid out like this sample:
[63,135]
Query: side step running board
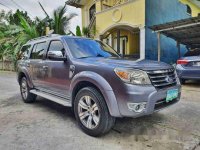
[62,101]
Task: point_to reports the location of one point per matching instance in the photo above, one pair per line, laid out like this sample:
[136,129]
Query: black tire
[182,81]
[105,122]
[29,97]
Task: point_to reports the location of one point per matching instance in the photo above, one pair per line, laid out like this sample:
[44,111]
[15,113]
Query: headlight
[132,76]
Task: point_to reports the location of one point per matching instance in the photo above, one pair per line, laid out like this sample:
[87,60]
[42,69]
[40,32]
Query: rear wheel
[25,91]
[92,113]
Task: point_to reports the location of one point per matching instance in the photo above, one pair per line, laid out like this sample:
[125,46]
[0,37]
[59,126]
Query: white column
[142,43]
[159,46]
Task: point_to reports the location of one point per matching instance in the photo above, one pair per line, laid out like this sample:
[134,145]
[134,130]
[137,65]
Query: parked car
[188,67]
[94,80]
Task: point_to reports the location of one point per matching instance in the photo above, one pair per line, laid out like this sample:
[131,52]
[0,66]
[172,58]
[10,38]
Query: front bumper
[155,99]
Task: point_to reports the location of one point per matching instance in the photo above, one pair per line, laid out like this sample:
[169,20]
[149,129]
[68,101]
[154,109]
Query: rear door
[36,64]
[57,72]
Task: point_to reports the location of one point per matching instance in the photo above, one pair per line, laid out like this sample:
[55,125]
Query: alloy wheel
[24,89]
[88,112]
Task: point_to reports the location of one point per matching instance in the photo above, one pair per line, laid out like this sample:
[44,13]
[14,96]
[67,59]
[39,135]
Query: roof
[54,36]
[75,3]
[185,31]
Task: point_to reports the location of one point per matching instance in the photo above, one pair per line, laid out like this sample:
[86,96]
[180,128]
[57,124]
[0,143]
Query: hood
[129,63]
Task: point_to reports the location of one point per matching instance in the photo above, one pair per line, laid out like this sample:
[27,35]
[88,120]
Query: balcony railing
[118,2]
[112,3]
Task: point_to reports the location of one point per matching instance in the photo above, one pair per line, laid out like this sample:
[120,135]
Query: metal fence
[7,65]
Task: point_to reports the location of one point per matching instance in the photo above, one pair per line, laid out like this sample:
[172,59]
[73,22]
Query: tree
[78,31]
[4,17]
[40,26]
[60,21]
[12,37]
[14,18]
[86,32]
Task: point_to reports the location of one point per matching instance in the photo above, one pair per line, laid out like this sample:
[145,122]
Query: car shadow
[193,83]
[145,125]
[123,126]
[55,108]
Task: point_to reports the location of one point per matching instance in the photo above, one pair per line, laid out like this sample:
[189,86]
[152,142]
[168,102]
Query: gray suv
[94,80]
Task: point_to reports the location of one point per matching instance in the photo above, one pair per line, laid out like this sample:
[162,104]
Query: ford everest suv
[94,80]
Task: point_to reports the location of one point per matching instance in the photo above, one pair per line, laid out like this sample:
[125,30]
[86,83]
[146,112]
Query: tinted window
[38,50]
[57,46]
[81,48]
[24,53]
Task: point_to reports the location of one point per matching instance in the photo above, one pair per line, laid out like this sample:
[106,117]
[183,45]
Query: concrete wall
[158,12]
[7,65]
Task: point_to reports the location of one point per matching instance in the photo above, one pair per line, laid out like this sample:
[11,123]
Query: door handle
[28,65]
[45,67]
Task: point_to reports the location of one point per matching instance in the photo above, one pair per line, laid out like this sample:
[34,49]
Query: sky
[33,9]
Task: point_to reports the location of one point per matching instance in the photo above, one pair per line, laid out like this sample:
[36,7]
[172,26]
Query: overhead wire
[21,7]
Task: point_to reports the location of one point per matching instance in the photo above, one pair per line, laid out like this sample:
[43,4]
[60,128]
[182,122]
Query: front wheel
[92,113]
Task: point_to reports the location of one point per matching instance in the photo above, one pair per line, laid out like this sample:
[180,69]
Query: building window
[189,10]
[92,11]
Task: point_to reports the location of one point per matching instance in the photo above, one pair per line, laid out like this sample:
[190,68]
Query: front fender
[102,85]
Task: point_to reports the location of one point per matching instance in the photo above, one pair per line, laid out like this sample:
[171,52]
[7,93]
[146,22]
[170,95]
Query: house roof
[185,31]
[75,3]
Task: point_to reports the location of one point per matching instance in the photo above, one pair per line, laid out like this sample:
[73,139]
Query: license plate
[171,95]
[196,64]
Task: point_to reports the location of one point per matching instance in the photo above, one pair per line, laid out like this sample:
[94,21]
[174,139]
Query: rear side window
[25,51]
[38,50]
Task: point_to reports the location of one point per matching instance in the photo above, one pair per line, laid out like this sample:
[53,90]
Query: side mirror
[56,55]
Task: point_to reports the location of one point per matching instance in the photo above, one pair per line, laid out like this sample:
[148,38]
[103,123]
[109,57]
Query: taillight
[182,62]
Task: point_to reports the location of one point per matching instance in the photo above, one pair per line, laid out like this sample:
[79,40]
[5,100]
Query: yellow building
[123,24]
[193,6]
[120,23]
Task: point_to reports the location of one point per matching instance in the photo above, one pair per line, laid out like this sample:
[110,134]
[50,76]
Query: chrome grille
[163,78]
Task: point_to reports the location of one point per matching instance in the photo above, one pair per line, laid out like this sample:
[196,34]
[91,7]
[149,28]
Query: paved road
[48,126]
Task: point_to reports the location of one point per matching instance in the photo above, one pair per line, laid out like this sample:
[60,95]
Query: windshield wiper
[85,57]
[99,55]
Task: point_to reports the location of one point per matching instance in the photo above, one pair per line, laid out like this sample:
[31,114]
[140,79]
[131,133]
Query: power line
[21,7]
[5,6]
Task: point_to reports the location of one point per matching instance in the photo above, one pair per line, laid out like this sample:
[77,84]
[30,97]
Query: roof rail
[38,38]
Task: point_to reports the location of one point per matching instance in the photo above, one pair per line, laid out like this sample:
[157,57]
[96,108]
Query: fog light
[137,107]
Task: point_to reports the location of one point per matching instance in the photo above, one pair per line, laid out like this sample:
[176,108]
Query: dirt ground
[48,126]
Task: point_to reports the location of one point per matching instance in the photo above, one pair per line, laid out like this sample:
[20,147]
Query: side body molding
[103,86]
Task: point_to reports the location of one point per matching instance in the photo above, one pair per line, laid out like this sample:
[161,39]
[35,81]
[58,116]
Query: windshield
[83,48]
